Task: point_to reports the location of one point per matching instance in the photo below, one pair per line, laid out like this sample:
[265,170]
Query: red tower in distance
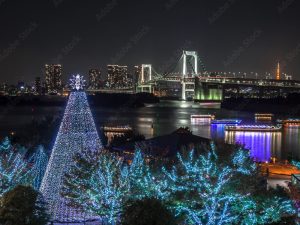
[278,72]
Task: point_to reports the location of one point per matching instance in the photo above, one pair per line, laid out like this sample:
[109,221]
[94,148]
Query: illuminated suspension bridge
[190,72]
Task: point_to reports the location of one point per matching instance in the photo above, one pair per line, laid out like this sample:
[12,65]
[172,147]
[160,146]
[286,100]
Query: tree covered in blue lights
[200,188]
[296,163]
[39,161]
[102,183]
[77,133]
[141,180]
[203,190]
[5,145]
[14,168]
[109,188]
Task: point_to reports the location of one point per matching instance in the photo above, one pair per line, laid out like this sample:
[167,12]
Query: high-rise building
[118,77]
[94,79]
[137,73]
[53,78]
[3,89]
[38,85]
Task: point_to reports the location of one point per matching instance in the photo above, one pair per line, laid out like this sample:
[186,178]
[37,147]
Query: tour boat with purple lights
[226,122]
[258,128]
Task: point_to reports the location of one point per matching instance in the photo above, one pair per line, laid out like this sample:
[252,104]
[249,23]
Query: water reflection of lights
[143,119]
[200,121]
[183,122]
[292,141]
[185,104]
[262,145]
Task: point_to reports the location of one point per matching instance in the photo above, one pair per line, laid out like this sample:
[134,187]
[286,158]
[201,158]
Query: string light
[103,184]
[40,161]
[77,132]
[14,169]
[5,145]
[77,82]
[201,191]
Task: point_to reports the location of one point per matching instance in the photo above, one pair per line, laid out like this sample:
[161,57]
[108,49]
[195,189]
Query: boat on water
[226,121]
[203,116]
[290,122]
[263,116]
[202,119]
[117,129]
[257,128]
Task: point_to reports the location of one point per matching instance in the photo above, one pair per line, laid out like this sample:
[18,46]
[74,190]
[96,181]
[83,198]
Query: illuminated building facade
[38,85]
[53,78]
[118,77]
[94,79]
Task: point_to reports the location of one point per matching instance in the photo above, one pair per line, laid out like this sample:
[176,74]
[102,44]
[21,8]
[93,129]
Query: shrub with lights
[203,189]
[102,183]
[39,161]
[199,188]
[14,168]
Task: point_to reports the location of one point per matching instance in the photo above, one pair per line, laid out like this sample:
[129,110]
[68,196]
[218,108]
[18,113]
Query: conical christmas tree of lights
[77,132]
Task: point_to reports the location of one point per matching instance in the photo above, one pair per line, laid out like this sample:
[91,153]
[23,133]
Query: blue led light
[77,132]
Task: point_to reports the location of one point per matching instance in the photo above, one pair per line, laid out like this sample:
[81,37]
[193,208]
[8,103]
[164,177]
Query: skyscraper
[118,77]
[38,85]
[94,79]
[137,73]
[53,78]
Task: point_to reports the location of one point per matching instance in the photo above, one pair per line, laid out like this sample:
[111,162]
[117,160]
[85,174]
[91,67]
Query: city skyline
[228,35]
[150,112]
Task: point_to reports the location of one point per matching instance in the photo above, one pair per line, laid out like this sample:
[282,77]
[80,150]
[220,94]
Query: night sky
[231,35]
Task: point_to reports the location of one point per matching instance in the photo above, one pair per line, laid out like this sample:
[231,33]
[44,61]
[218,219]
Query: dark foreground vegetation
[209,184]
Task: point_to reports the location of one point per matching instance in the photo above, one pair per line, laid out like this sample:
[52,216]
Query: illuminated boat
[263,116]
[203,116]
[227,121]
[202,119]
[117,129]
[290,122]
[257,128]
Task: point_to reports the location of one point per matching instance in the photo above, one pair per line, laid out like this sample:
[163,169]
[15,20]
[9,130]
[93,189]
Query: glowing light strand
[77,132]
[77,82]
[208,195]
[40,161]
[14,169]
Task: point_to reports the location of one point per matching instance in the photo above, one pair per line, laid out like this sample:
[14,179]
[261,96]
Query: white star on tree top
[77,82]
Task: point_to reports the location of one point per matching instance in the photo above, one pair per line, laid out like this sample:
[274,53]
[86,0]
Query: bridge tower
[188,84]
[146,73]
[144,78]
[194,55]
